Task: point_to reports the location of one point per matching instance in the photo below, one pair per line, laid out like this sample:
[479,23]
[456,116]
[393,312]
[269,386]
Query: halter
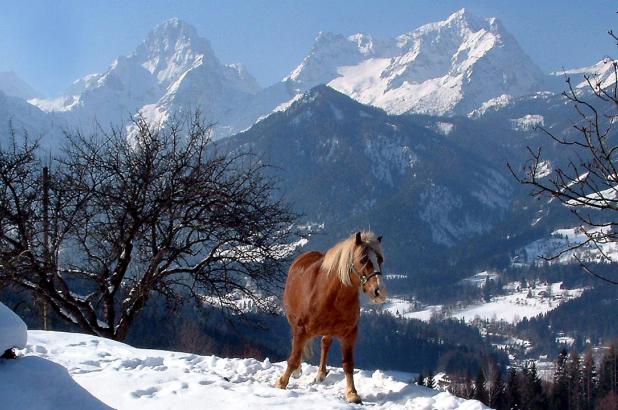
[363,279]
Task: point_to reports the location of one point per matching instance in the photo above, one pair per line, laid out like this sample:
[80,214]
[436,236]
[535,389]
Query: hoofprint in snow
[124,377]
[520,302]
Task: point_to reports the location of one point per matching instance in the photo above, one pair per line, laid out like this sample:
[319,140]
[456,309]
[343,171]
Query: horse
[322,298]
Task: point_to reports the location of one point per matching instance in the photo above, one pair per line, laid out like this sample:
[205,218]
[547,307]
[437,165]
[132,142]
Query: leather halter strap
[363,279]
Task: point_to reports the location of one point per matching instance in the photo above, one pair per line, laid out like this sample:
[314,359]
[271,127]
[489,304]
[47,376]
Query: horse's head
[367,266]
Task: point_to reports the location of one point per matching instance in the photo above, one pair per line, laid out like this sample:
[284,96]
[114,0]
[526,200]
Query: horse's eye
[380,260]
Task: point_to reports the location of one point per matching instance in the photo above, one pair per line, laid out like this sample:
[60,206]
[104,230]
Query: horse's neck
[334,288]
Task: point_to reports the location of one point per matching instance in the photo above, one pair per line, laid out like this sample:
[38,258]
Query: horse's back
[305,261]
[300,280]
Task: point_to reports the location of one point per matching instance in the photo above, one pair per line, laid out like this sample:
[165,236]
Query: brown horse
[321,298]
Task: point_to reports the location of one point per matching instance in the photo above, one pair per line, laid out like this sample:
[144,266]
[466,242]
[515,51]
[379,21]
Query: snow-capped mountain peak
[172,70]
[331,51]
[447,67]
[172,48]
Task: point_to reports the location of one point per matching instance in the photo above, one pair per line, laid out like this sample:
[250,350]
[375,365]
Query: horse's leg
[322,371]
[298,342]
[347,348]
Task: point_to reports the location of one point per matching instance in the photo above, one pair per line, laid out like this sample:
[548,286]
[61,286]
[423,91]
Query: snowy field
[519,303]
[565,238]
[103,374]
[522,303]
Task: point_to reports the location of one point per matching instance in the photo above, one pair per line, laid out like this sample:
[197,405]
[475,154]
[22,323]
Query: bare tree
[121,217]
[587,183]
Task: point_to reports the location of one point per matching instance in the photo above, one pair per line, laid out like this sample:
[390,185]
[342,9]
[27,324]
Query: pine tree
[429,381]
[513,396]
[608,374]
[560,393]
[573,379]
[525,388]
[468,387]
[421,379]
[497,394]
[480,387]
[538,399]
[589,380]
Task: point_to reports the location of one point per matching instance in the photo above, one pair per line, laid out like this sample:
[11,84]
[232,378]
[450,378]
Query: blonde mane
[339,258]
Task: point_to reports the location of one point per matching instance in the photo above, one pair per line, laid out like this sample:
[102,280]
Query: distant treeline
[588,319]
[577,384]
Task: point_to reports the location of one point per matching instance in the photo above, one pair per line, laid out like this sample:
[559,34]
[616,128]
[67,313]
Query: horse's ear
[380,238]
[358,238]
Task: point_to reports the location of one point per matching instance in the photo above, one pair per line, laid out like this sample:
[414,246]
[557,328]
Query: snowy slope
[12,330]
[563,239]
[519,302]
[124,377]
[11,84]
[522,303]
[22,116]
[603,73]
[448,67]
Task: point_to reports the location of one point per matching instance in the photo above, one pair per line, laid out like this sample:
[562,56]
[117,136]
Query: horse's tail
[308,350]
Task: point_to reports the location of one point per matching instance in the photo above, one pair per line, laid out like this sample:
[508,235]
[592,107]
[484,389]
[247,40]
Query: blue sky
[49,43]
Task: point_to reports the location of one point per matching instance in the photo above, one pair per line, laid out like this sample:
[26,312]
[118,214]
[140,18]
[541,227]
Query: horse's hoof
[319,378]
[280,384]
[353,397]
[297,373]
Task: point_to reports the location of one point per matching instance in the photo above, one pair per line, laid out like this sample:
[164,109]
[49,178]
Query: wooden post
[46,252]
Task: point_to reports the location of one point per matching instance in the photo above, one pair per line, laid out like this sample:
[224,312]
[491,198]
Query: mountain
[603,72]
[349,165]
[20,117]
[171,71]
[12,85]
[448,67]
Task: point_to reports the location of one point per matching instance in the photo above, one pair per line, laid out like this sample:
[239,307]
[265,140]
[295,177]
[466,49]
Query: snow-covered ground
[404,308]
[104,373]
[12,330]
[481,279]
[520,302]
[562,239]
[528,122]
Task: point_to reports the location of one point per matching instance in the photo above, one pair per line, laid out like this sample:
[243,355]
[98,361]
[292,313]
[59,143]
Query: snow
[602,73]
[12,330]
[35,383]
[544,169]
[562,239]
[480,279]
[444,128]
[528,122]
[108,373]
[404,308]
[449,67]
[492,104]
[521,303]
[565,340]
